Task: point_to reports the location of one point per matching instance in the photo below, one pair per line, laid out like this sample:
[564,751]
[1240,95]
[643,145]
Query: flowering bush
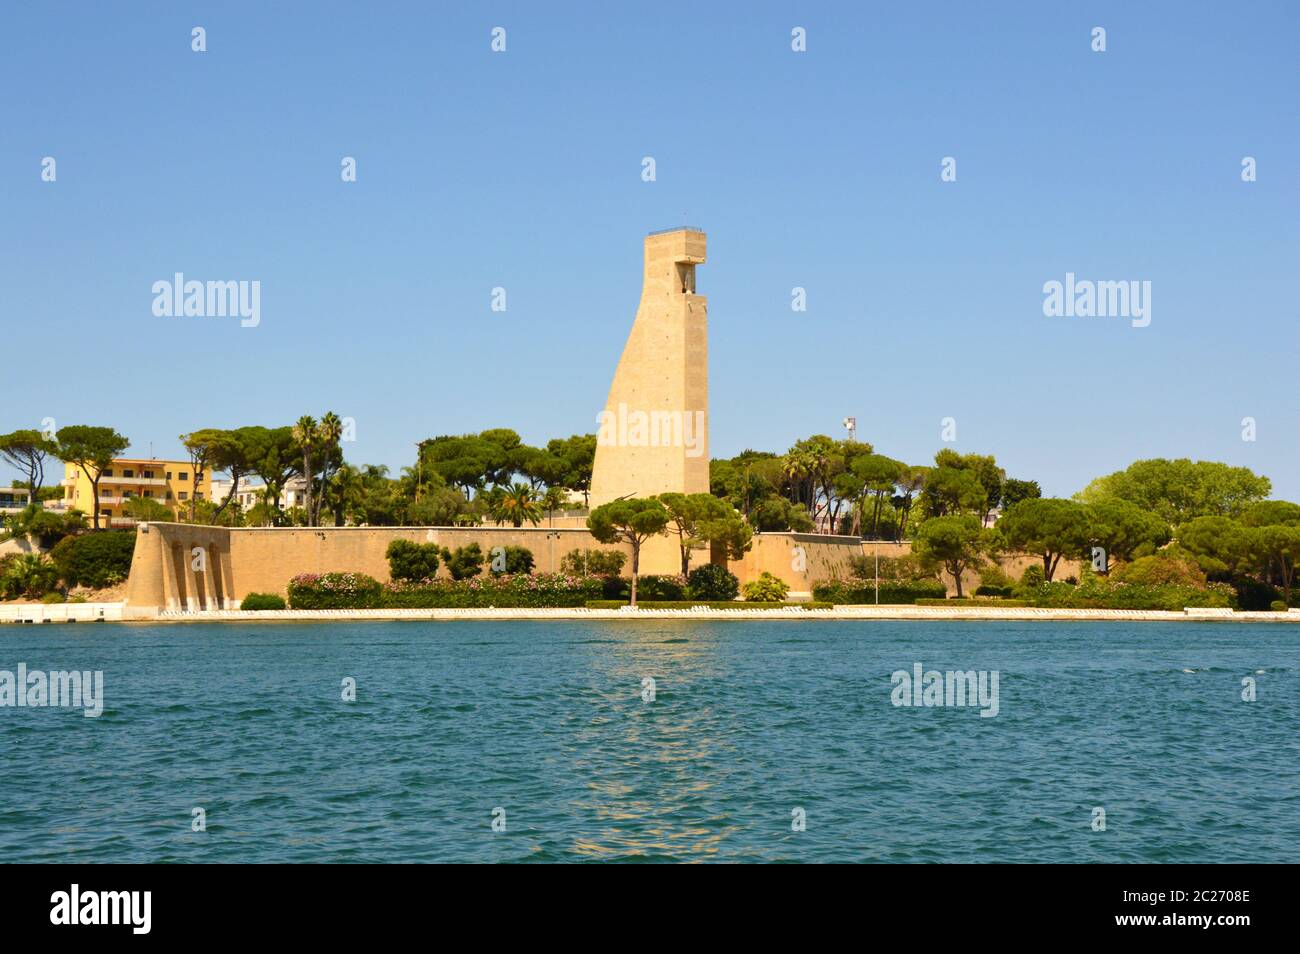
[334,591]
[503,590]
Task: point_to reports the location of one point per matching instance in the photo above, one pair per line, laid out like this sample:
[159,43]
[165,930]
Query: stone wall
[189,567]
[166,573]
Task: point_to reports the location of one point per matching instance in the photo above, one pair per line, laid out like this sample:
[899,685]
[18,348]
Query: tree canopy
[632,520]
[27,451]
[1181,490]
[92,449]
[1048,526]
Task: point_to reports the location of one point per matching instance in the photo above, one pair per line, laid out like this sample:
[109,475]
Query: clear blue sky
[522,170]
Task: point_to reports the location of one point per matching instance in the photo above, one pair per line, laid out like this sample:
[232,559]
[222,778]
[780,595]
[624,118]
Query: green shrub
[52,597]
[766,589]
[656,587]
[891,591]
[41,526]
[503,591]
[711,582]
[334,591]
[96,559]
[412,561]
[593,562]
[715,604]
[511,560]
[616,588]
[1033,576]
[1099,593]
[1161,569]
[1252,594]
[30,575]
[995,578]
[1002,591]
[1278,606]
[651,587]
[262,601]
[972,601]
[464,562]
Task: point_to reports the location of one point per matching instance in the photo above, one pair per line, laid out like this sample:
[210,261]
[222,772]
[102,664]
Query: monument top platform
[679,228]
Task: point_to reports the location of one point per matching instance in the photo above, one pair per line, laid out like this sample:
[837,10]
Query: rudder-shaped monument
[653,433]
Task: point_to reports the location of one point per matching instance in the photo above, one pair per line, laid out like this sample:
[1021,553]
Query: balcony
[140,481]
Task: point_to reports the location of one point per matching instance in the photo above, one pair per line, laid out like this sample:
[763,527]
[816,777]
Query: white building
[250,495]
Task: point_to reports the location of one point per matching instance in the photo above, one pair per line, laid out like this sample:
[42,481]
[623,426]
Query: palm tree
[517,504]
[794,468]
[328,433]
[491,501]
[347,490]
[798,467]
[307,437]
[553,500]
[911,482]
[28,574]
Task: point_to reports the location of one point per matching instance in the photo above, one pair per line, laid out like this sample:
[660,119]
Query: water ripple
[750,722]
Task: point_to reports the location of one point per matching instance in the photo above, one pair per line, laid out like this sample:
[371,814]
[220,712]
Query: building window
[148,475]
[128,473]
[184,495]
[107,472]
[198,495]
[148,493]
[169,495]
[183,475]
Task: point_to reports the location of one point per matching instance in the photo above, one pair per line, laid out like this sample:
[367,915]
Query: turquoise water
[750,721]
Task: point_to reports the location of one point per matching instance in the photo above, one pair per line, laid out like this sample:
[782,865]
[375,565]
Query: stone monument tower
[653,433]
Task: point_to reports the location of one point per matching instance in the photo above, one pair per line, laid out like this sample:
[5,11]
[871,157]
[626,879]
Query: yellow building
[171,483]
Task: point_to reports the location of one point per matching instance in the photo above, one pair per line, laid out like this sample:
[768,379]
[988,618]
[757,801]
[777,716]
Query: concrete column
[210,570]
[171,586]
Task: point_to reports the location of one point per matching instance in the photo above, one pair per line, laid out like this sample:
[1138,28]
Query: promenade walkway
[112,612]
